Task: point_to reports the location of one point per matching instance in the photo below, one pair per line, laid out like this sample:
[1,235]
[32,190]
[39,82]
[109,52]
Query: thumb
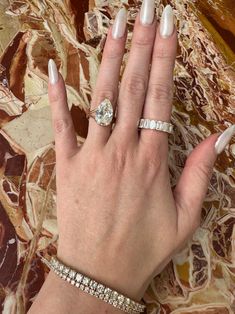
[192,186]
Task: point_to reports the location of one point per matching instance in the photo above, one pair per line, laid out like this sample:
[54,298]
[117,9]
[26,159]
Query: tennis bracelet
[93,287]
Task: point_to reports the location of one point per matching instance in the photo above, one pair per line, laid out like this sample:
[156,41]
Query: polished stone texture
[201,279]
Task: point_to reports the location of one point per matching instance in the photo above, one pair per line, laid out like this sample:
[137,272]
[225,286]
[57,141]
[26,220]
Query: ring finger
[108,76]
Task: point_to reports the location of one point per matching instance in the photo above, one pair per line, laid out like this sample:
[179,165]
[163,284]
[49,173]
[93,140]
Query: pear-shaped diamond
[104,113]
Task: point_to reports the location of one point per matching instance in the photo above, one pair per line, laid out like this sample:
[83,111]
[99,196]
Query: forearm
[58,296]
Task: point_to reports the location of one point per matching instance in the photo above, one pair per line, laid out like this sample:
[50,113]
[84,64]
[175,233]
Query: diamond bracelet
[93,287]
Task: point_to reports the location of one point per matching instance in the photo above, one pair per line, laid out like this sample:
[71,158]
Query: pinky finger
[64,132]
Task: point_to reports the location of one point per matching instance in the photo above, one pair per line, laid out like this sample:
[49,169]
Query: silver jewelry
[103,114]
[156,125]
[93,287]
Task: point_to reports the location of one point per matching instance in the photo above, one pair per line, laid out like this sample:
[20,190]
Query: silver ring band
[156,125]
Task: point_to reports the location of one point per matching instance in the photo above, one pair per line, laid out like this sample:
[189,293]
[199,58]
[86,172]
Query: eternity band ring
[156,125]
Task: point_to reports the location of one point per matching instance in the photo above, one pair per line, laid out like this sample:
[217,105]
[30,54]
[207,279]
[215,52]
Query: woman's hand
[119,220]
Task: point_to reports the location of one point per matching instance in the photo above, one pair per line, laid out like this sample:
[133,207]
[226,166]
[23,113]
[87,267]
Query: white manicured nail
[167,22]
[119,25]
[147,11]
[52,72]
[224,139]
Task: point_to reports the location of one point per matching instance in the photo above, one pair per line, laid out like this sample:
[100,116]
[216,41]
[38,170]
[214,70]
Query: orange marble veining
[200,278]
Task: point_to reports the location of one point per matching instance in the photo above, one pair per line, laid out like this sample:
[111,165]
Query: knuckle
[163,53]
[143,40]
[160,92]
[55,96]
[136,85]
[113,52]
[119,158]
[151,160]
[60,125]
[153,163]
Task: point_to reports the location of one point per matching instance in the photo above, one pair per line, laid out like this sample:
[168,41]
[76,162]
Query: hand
[119,220]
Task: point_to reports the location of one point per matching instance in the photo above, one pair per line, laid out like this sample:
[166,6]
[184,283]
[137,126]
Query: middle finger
[135,78]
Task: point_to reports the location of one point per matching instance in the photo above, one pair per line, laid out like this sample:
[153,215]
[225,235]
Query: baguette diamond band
[93,287]
[156,125]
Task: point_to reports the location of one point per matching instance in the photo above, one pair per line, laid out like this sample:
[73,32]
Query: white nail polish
[52,72]
[147,11]
[119,25]
[167,22]
[224,139]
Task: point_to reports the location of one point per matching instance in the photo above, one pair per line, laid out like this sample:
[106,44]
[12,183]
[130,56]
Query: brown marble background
[201,279]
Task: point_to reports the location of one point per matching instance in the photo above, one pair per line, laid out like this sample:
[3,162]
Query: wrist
[59,296]
[117,277]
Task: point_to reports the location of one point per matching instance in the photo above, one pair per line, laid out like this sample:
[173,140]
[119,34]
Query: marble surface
[201,278]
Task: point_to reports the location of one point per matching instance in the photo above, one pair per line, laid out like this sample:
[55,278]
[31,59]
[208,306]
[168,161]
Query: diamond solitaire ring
[103,114]
[155,125]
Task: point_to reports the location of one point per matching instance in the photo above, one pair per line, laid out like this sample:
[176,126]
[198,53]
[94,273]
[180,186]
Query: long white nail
[167,22]
[52,72]
[119,25]
[224,139]
[147,11]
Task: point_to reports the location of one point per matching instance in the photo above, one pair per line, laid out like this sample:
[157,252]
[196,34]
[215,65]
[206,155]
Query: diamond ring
[103,114]
[156,125]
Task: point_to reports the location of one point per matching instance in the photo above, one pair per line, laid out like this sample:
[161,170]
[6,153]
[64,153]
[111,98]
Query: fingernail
[52,72]
[147,11]
[224,139]
[119,25]
[167,22]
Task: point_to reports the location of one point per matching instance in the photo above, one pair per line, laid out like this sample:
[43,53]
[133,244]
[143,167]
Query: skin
[119,220]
